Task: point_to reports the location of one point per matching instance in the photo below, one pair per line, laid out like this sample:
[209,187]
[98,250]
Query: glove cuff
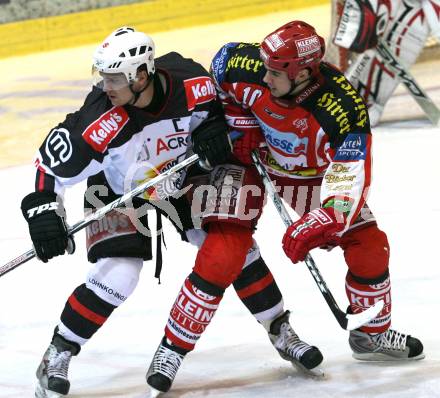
[331,216]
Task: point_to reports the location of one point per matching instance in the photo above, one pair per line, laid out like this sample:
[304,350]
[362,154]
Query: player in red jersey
[313,133]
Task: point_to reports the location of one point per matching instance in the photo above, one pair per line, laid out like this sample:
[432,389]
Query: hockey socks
[83,314]
[363,293]
[258,291]
[192,311]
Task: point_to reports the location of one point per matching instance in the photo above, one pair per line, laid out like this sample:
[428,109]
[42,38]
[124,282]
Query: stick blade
[355,321]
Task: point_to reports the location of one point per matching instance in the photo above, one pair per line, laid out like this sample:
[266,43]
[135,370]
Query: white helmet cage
[124,51]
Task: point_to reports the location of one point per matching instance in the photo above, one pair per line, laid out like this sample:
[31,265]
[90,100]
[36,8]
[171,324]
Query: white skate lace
[167,362]
[391,340]
[58,365]
[289,342]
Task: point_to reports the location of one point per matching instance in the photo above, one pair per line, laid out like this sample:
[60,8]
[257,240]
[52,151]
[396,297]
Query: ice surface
[234,358]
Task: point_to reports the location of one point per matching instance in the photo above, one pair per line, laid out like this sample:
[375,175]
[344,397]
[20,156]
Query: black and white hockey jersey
[128,144]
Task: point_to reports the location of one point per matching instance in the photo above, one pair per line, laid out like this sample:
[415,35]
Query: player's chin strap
[291,95]
[137,94]
[294,86]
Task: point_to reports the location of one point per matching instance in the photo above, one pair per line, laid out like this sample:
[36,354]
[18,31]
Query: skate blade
[379,357]
[41,392]
[315,373]
[153,393]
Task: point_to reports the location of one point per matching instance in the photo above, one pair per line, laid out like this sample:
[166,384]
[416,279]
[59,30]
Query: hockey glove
[244,146]
[314,229]
[211,141]
[46,226]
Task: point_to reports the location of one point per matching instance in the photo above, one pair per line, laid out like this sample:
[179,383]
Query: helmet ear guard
[293,47]
[124,51]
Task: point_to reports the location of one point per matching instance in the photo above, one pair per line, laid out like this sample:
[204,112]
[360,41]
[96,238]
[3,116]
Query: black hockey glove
[47,228]
[211,141]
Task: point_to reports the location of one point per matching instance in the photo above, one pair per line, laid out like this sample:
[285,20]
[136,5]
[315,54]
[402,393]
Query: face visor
[109,81]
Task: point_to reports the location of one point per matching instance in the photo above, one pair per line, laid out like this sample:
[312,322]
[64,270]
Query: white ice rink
[234,358]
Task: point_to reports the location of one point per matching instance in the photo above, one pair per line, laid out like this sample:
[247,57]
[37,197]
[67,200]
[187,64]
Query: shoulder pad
[176,64]
[338,106]
[238,62]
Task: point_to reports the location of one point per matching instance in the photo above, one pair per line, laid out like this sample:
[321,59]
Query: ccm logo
[99,133]
[39,209]
[198,91]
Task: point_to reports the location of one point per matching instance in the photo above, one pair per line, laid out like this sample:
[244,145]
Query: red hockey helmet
[293,47]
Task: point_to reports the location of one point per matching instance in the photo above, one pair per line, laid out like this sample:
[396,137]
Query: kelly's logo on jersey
[198,91]
[99,133]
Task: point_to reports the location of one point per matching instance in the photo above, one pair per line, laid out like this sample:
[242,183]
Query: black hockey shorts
[125,232]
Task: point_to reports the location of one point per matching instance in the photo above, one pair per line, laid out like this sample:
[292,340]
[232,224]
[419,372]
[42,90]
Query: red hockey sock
[364,295]
[190,315]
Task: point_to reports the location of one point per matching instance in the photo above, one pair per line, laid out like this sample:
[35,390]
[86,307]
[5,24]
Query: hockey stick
[99,213]
[347,321]
[410,83]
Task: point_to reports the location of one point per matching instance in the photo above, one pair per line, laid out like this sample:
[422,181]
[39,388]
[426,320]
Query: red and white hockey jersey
[323,131]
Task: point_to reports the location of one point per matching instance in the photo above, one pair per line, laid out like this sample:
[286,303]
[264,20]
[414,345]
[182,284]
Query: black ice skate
[163,367]
[53,369]
[388,346]
[304,357]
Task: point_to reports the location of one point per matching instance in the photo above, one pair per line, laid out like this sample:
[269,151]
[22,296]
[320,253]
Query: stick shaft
[99,213]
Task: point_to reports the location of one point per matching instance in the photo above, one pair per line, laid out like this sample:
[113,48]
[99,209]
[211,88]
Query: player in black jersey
[142,116]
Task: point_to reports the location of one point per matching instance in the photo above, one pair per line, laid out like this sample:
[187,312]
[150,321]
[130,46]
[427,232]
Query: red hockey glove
[314,229]
[245,145]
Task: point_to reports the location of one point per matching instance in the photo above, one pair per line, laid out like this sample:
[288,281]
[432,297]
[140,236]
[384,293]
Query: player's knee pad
[113,279]
[223,253]
[366,251]
[252,255]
